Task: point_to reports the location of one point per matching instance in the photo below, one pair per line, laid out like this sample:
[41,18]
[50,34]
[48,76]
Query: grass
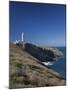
[25,71]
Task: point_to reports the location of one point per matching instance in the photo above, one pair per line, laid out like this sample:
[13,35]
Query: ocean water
[60,64]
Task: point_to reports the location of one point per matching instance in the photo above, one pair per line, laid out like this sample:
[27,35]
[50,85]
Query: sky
[42,24]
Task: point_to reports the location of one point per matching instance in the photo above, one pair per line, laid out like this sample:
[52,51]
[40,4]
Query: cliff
[43,54]
[56,52]
[25,70]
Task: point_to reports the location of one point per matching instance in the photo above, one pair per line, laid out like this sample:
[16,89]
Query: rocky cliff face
[57,52]
[43,54]
[27,71]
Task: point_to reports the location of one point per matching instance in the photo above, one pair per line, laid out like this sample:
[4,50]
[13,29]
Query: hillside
[25,70]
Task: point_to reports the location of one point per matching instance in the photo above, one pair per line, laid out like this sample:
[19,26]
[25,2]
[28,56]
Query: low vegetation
[25,71]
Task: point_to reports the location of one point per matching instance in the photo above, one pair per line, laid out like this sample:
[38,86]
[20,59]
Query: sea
[59,65]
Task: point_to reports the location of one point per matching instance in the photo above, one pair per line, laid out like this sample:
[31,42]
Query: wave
[48,63]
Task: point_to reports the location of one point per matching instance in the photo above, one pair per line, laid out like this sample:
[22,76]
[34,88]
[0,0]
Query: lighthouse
[22,37]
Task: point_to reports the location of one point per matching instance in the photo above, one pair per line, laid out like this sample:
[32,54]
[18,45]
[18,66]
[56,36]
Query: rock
[43,54]
[39,53]
[56,52]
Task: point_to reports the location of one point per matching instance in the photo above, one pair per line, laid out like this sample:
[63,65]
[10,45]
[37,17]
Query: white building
[20,41]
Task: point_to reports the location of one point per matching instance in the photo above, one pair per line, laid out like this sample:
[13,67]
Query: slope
[27,71]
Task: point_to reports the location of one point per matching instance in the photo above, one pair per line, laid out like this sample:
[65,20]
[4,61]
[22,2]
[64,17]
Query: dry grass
[25,71]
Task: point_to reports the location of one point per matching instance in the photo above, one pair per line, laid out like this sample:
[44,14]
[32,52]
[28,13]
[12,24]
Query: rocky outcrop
[56,52]
[26,71]
[43,54]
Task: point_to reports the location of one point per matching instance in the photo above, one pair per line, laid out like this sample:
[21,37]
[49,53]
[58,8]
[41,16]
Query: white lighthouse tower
[22,37]
[22,40]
